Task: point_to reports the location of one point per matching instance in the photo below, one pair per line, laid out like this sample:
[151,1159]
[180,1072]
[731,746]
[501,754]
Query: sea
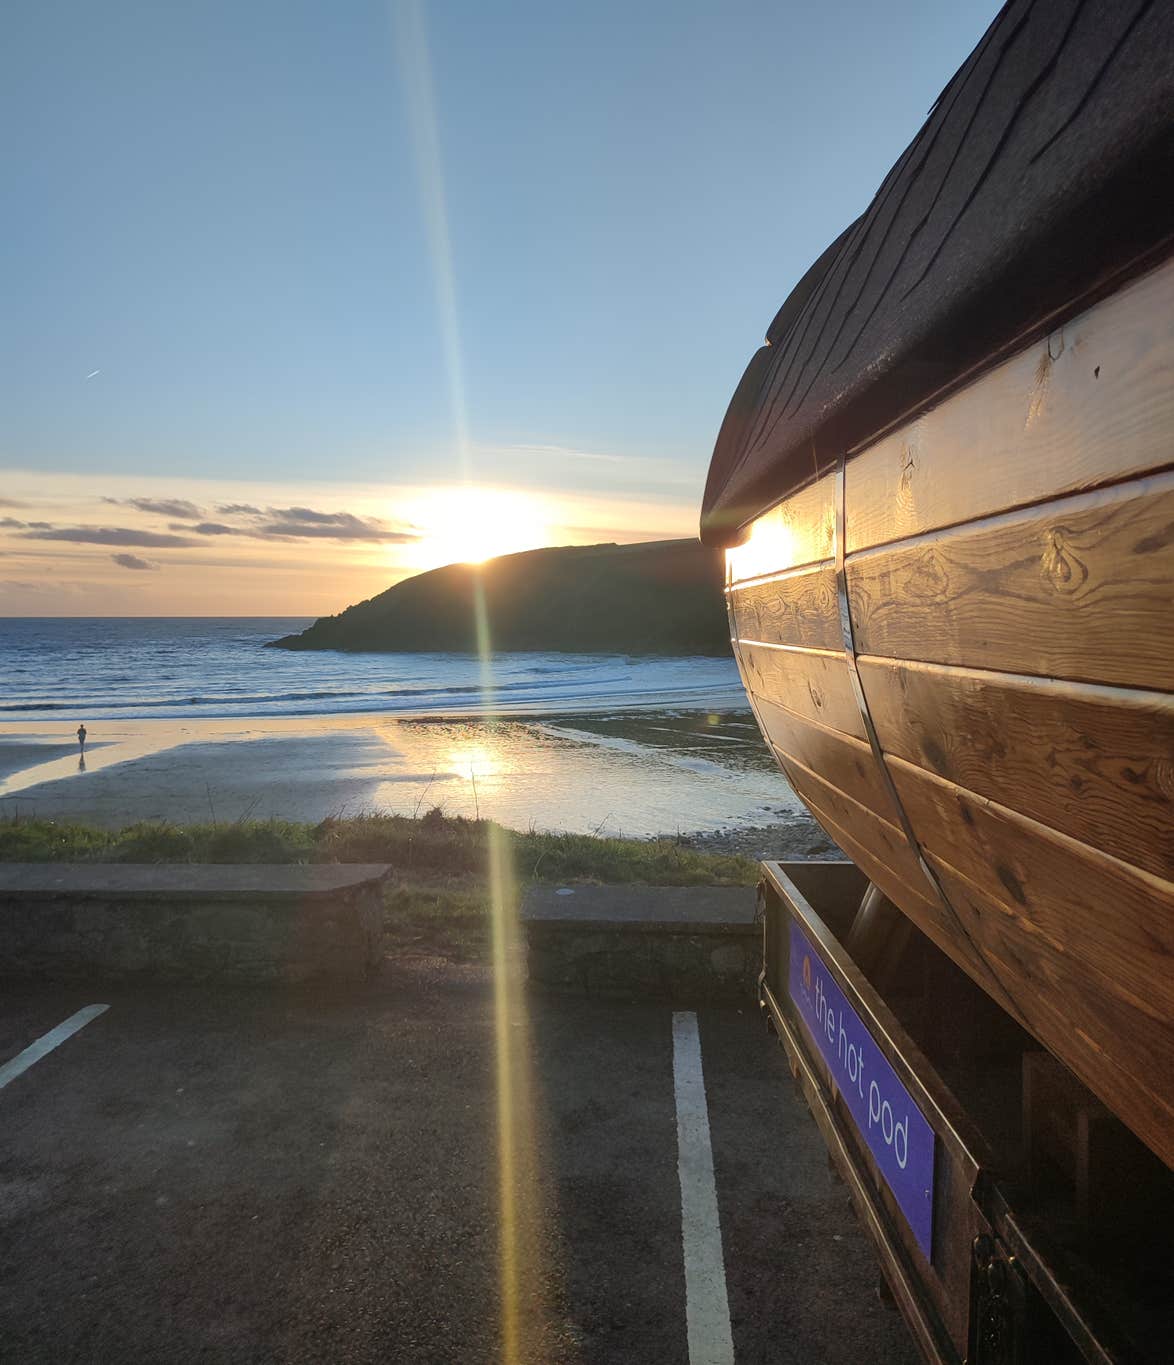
[126,668]
[191,719]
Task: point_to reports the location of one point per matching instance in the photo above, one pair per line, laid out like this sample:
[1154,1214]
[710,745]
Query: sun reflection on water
[474,762]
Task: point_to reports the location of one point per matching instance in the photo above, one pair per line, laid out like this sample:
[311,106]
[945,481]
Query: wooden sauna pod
[946,489]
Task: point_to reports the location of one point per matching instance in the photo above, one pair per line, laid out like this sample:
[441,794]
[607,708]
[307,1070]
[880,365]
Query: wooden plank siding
[1117,1039]
[1010,575]
[1064,895]
[1090,405]
[801,530]
[814,684]
[883,853]
[797,608]
[844,761]
[1116,1049]
[1095,763]
[1079,589]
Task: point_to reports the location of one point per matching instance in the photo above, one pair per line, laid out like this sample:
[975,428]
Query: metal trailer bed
[1029,1226]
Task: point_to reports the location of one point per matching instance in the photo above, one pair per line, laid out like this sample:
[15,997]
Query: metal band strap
[870,729]
[858,688]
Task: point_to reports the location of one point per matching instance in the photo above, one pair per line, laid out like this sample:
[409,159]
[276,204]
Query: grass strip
[437,900]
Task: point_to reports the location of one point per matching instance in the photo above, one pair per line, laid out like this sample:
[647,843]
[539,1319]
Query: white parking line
[707,1309]
[45,1044]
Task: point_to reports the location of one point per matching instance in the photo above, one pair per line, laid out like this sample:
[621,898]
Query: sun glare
[471,525]
[472,762]
[769,548]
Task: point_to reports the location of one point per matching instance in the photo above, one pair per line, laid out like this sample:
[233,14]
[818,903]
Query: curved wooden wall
[1009,561]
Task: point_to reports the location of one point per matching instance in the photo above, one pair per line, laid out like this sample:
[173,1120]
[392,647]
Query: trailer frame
[996,1289]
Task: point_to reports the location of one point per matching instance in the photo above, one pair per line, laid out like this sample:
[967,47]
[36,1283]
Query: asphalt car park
[419,1169]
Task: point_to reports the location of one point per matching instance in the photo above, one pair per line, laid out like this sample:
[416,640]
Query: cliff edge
[657,597]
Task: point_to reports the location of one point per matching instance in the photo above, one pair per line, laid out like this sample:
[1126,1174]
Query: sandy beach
[18,755]
[624,775]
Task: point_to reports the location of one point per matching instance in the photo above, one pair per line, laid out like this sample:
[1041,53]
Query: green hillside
[659,597]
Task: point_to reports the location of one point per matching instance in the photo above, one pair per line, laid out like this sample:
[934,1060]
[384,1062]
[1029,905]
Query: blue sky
[219,208]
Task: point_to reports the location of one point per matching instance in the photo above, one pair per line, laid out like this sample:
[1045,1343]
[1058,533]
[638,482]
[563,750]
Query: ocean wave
[170,669]
[375,697]
[262,699]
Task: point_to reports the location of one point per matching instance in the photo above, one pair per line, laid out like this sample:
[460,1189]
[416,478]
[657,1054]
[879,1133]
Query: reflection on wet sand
[632,773]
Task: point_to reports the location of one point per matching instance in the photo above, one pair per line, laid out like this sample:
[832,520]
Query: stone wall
[685,943]
[109,935]
[691,966]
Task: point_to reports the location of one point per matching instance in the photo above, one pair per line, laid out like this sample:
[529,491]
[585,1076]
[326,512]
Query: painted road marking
[45,1044]
[707,1308]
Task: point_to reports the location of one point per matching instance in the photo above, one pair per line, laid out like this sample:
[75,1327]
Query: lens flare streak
[523,1312]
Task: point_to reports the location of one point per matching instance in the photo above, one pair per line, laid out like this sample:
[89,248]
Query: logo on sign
[886,1115]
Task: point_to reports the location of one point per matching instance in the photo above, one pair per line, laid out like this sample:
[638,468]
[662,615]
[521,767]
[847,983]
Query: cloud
[12,502]
[162,507]
[271,524]
[12,524]
[287,522]
[297,523]
[208,528]
[129,561]
[111,535]
[68,587]
[308,514]
[25,585]
[303,523]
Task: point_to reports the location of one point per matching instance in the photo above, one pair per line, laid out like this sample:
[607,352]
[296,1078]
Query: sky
[300,298]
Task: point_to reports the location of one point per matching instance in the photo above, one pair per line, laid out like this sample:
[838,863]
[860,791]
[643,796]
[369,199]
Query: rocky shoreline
[792,838]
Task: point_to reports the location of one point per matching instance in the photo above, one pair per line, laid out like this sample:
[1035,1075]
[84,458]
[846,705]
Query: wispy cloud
[48,587]
[208,528]
[245,549]
[298,523]
[28,585]
[129,561]
[566,453]
[253,523]
[162,507]
[293,530]
[294,522]
[654,470]
[110,535]
[14,524]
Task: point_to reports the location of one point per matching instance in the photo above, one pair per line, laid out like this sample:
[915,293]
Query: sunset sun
[471,525]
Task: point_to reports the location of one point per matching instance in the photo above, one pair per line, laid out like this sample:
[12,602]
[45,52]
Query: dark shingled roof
[1043,176]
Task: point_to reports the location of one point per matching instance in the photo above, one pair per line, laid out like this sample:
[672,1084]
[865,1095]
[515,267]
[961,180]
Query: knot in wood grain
[824,593]
[1039,389]
[905,484]
[827,535]
[928,578]
[1060,567]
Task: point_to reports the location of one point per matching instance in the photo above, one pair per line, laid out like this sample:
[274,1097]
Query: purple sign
[895,1130]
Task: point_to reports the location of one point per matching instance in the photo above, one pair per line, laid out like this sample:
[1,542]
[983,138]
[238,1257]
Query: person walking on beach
[81,738]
